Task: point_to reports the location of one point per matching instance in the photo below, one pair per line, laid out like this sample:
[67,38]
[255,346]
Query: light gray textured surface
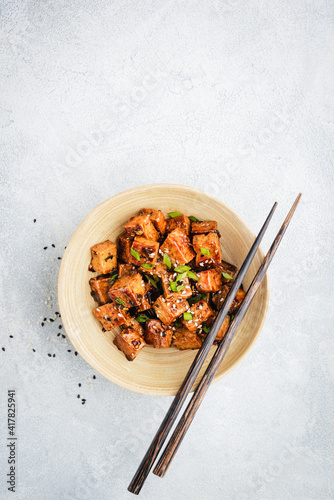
[232,97]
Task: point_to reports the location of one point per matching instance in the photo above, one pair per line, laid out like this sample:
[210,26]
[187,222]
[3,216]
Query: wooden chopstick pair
[185,421]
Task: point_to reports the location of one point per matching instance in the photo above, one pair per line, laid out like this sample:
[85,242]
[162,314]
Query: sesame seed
[53,245]
[3,349]
[11,336]
[34,220]
[76,353]
[49,355]
[60,327]
[94,377]
[54,355]
[69,350]
[45,248]
[78,396]
[34,350]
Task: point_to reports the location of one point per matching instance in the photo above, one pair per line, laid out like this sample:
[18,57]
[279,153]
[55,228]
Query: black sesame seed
[49,355]
[79,385]
[34,350]
[44,319]
[83,399]
[42,324]
[65,248]
[69,350]
[58,334]
[54,355]
[34,220]
[83,402]
[78,396]
[45,248]
[104,330]
[53,245]
[59,258]
[52,320]
[63,336]
[3,349]
[60,327]
[11,336]
[76,353]
[56,312]
[94,376]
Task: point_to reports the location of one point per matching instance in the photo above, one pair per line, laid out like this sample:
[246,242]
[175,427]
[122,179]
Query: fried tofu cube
[129,342]
[157,334]
[185,339]
[124,247]
[157,218]
[146,249]
[146,302]
[141,225]
[110,315]
[183,293]
[182,222]
[204,227]
[226,268]
[168,310]
[178,247]
[212,254]
[199,312]
[158,269]
[223,329]
[126,270]
[104,257]
[209,281]
[128,289]
[134,324]
[219,297]
[100,286]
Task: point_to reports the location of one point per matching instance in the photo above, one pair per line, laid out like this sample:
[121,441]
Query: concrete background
[229,96]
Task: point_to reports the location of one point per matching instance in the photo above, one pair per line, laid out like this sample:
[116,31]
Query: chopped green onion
[174,214]
[227,276]
[142,318]
[135,254]
[187,316]
[192,276]
[179,288]
[148,266]
[151,280]
[113,279]
[172,285]
[181,276]
[120,301]
[206,329]
[166,260]
[192,218]
[205,251]
[232,316]
[182,269]
[195,299]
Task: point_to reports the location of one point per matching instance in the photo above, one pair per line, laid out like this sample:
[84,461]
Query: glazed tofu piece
[157,269]
[146,250]
[181,289]
[141,225]
[129,342]
[168,310]
[134,324]
[207,248]
[146,302]
[128,290]
[227,269]
[219,297]
[126,270]
[205,227]
[157,218]
[185,339]
[178,247]
[110,315]
[100,286]
[223,329]
[157,334]
[199,312]
[124,247]
[104,257]
[181,222]
[209,281]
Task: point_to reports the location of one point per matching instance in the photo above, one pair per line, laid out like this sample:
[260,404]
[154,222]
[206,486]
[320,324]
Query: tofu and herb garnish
[163,282]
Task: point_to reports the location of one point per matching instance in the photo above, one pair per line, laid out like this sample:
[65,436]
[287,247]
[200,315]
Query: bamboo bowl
[154,371]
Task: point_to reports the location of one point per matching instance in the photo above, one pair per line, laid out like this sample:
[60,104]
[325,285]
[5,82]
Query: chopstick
[170,418]
[187,417]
